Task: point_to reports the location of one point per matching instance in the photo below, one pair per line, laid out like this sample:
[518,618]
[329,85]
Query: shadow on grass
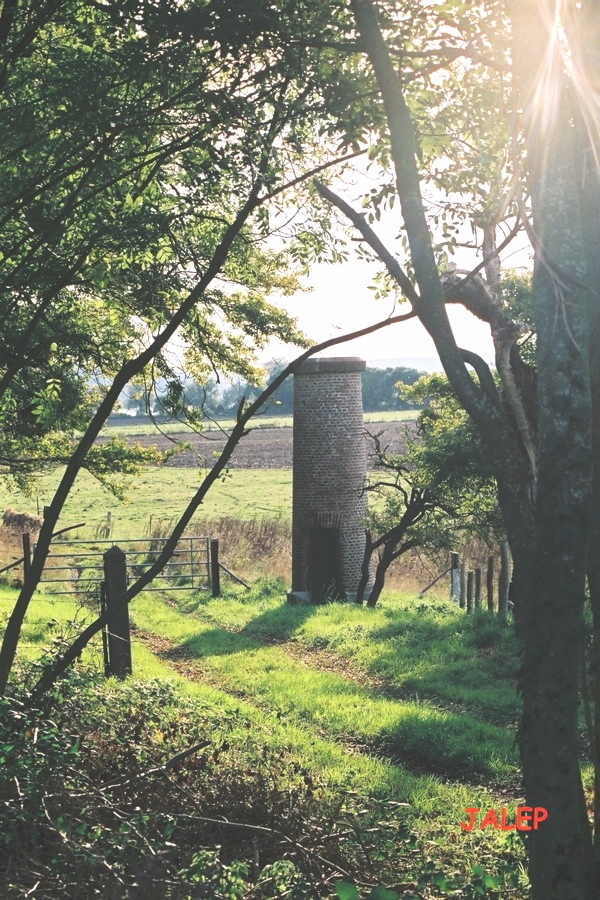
[430,656]
[274,626]
[279,624]
[422,738]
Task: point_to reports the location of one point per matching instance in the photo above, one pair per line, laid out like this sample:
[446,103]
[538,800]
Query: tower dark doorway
[324,575]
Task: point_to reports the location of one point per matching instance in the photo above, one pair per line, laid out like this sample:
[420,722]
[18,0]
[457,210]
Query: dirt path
[191,666]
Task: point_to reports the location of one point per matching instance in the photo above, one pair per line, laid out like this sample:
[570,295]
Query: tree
[144,146]
[378,387]
[283,398]
[112,204]
[391,530]
[436,493]
[542,462]
[447,456]
[240,429]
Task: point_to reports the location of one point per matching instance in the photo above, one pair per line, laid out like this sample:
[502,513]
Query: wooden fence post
[454,577]
[463,584]
[478,587]
[105,655]
[504,579]
[490,584]
[470,592]
[215,575]
[119,643]
[26,539]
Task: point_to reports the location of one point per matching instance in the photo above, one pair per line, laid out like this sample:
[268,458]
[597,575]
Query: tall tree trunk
[560,851]
[583,29]
[504,579]
[591,215]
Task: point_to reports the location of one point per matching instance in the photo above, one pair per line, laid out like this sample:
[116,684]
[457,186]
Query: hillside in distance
[420,363]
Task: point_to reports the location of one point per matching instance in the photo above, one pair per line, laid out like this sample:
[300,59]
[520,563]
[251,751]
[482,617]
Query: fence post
[208,567]
[104,631]
[191,546]
[478,587]
[470,592]
[215,575]
[463,584]
[26,539]
[490,584]
[119,644]
[504,579]
[454,577]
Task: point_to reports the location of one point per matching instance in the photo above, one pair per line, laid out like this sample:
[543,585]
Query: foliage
[118,189]
[378,388]
[378,391]
[447,457]
[440,493]
[393,522]
[109,199]
[283,398]
[91,808]
[515,289]
[137,204]
[541,430]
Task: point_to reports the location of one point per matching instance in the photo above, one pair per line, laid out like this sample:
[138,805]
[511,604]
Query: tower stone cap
[331,365]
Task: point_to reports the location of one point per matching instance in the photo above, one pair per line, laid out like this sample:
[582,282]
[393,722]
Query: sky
[340,301]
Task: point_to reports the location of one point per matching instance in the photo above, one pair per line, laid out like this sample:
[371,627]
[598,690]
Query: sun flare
[570,63]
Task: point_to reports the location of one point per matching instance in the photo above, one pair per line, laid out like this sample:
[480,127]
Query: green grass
[144,427]
[426,737]
[232,657]
[160,493]
[51,622]
[351,738]
[422,649]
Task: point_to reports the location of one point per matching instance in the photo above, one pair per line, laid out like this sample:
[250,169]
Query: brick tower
[330,464]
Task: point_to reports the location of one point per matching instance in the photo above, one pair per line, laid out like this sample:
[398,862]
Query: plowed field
[262,448]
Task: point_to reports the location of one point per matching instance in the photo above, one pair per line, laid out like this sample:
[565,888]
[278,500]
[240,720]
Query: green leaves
[152,123]
[449,459]
[110,461]
[45,400]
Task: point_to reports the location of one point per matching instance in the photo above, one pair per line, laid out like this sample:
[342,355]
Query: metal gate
[76,567]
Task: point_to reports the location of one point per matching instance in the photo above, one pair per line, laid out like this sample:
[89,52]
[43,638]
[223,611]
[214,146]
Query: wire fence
[75,568]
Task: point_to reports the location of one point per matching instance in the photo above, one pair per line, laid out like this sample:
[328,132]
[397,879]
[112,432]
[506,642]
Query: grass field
[397,711]
[160,494]
[146,427]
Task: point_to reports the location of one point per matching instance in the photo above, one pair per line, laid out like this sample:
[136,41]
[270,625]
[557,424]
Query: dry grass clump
[416,569]
[251,548]
[19,522]
[10,551]
[262,547]
[14,524]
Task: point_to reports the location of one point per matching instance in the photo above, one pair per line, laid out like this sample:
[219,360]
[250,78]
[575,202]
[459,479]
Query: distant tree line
[379,388]
[214,399]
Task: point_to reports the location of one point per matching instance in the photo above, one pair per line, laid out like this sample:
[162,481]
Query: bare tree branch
[360,223]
